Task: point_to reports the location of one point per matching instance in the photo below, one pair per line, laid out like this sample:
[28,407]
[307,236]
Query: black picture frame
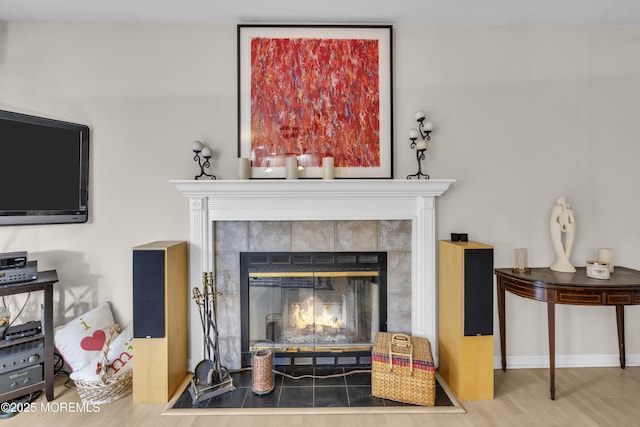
[316,91]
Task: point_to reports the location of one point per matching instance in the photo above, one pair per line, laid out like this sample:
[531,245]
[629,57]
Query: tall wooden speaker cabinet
[160,301]
[465,308]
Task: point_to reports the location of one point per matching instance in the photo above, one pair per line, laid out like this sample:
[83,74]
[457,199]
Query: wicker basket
[403,369]
[106,389]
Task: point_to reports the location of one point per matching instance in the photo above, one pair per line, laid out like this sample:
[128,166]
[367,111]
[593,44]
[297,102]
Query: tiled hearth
[330,388]
[267,213]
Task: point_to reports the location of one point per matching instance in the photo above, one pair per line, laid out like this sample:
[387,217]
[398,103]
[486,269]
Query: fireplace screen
[309,304]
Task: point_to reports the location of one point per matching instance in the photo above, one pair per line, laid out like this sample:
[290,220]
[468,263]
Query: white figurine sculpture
[562,221]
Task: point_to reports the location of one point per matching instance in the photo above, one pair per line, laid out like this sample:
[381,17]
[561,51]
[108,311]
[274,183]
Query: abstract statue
[562,221]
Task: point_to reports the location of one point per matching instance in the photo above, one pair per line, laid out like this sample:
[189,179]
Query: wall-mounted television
[44,170]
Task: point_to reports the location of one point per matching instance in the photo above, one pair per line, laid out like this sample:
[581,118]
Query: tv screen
[44,170]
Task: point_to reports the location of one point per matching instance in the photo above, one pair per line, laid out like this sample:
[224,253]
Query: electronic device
[57,190]
[19,274]
[13,259]
[21,355]
[21,331]
[20,378]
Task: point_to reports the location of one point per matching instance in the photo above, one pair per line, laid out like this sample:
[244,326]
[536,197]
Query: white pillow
[80,340]
[119,358]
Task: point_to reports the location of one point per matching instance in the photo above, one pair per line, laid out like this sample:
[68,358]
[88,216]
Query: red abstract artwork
[313,98]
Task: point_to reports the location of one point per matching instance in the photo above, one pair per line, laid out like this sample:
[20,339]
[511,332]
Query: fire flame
[303,316]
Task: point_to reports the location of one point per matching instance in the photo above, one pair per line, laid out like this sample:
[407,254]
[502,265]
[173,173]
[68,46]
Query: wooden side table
[552,287]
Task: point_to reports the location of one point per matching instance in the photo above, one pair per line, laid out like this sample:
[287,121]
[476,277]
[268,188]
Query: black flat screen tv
[44,170]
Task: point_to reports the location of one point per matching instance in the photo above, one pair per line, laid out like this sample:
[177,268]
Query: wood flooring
[585,397]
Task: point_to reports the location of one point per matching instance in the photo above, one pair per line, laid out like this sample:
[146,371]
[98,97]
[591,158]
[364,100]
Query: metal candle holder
[206,153]
[419,138]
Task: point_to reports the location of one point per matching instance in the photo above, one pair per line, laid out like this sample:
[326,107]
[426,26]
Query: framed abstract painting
[316,91]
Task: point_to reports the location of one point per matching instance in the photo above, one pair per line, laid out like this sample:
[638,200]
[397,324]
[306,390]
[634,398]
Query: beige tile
[356,235]
[230,352]
[395,235]
[399,272]
[399,291]
[231,236]
[228,272]
[228,315]
[313,236]
[397,301]
[270,236]
[399,322]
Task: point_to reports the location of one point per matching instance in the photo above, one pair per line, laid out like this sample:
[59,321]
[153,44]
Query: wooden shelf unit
[44,282]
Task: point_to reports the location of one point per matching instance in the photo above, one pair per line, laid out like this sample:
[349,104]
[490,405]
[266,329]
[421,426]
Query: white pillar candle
[327,168]
[196,146]
[421,145]
[606,255]
[244,170]
[291,166]
[206,152]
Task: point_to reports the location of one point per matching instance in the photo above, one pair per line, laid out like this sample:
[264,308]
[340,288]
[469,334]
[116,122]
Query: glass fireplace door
[314,311]
[319,308]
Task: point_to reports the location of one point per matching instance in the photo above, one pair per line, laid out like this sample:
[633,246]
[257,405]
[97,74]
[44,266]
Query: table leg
[48,341]
[620,321]
[551,316]
[501,314]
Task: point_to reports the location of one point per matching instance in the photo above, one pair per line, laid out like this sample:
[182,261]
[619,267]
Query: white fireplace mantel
[300,200]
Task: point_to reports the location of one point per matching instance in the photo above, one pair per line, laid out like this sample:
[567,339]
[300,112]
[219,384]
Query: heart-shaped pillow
[95,342]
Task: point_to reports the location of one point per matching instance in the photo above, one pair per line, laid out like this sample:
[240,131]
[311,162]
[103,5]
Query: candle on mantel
[327,168]
[291,167]
[196,146]
[244,168]
[421,145]
[428,126]
[206,152]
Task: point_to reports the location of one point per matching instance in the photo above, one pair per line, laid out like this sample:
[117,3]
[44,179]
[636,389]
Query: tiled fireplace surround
[394,216]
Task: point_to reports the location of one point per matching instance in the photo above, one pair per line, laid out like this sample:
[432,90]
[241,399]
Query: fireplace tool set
[210,378]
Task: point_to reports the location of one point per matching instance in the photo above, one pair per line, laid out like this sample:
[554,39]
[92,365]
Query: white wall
[523,115]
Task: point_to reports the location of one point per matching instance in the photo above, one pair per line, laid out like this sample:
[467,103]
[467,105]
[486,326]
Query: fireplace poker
[202,369]
[212,327]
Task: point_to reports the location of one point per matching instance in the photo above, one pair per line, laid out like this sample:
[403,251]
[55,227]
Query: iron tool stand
[210,378]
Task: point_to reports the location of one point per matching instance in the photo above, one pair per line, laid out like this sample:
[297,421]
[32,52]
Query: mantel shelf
[397,187]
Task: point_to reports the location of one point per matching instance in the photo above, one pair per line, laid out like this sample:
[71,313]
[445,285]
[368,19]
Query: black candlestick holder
[423,131]
[202,157]
[420,156]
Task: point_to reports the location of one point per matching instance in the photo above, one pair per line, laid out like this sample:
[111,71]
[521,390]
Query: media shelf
[44,283]
[5,343]
[42,385]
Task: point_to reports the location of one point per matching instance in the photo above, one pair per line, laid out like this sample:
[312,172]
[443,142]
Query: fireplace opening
[320,308]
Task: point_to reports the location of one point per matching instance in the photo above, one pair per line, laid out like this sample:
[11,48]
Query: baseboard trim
[566,361]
